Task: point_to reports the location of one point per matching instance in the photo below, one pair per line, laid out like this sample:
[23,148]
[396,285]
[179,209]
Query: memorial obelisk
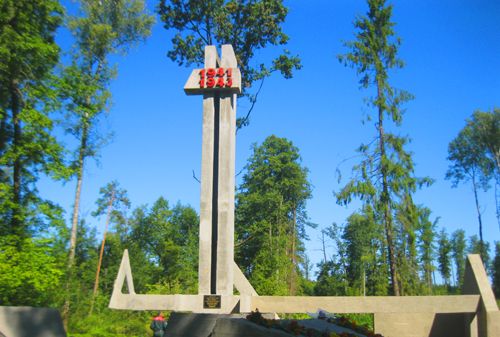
[219,83]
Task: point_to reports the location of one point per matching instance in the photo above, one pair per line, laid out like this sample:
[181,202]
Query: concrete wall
[30,322]
[420,324]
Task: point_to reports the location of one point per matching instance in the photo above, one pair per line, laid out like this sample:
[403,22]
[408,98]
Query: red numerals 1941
[216,78]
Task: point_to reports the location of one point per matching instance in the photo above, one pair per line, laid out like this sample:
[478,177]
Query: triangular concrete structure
[124,273]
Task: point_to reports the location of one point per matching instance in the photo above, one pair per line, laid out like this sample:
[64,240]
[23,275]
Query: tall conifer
[384,178]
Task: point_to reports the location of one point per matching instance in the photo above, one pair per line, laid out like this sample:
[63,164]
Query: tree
[482,248]
[30,271]
[332,276]
[496,270]
[427,234]
[362,240]
[331,280]
[27,147]
[271,217]
[458,246]
[104,28]
[384,178]
[444,256]
[186,221]
[113,199]
[408,222]
[468,164]
[168,237]
[248,25]
[485,128]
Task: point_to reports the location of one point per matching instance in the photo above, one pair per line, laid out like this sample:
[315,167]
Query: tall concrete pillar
[216,246]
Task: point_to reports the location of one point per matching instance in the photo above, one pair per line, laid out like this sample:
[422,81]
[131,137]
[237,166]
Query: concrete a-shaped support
[124,273]
[476,282]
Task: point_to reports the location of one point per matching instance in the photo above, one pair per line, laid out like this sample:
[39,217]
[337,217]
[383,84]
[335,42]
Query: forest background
[292,236]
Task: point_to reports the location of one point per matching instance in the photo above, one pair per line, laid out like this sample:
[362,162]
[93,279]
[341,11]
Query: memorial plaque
[211,302]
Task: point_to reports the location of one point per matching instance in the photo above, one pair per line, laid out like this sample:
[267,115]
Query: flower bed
[294,328]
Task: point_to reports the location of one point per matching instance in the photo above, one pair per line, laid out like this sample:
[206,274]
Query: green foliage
[27,145]
[103,28]
[114,199]
[474,157]
[363,247]
[444,258]
[270,217]
[427,247]
[365,320]
[247,25]
[331,280]
[105,322]
[31,271]
[495,267]
[169,239]
[467,161]
[458,246]
[384,179]
[486,126]
[475,246]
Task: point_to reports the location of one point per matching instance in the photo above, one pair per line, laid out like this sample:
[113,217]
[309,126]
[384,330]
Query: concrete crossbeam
[180,303]
[371,304]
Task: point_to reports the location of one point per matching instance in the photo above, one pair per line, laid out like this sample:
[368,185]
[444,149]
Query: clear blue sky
[452,55]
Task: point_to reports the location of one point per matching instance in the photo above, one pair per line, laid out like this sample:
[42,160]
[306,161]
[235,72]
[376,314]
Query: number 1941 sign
[207,80]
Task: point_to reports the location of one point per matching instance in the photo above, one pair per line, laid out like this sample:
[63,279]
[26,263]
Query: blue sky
[452,54]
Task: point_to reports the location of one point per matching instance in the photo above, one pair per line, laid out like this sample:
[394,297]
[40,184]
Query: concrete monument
[473,314]
[219,82]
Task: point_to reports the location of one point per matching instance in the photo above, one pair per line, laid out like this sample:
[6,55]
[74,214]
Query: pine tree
[362,239]
[408,223]
[427,234]
[458,248]
[384,178]
[444,258]
[475,246]
[111,201]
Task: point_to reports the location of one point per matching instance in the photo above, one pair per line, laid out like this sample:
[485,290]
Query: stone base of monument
[216,325]
[30,322]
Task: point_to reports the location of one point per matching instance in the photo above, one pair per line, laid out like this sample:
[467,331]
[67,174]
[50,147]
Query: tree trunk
[293,281]
[323,245]
[363,283]
[3,132]
[76,205]
[96,283]
[479,219]
[497,197]
[74,227]
[385,199]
